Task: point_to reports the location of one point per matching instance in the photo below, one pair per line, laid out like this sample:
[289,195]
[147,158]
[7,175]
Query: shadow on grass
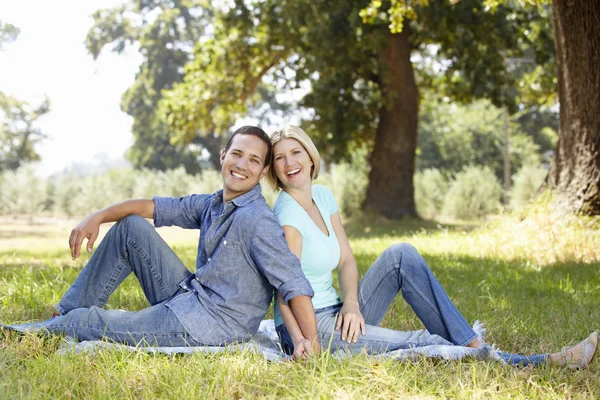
[369,226]
[525,309]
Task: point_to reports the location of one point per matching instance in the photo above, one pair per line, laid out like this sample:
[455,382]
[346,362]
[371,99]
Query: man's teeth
[238,175]
[293,172]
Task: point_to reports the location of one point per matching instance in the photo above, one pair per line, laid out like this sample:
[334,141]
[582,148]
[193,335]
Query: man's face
[242,165]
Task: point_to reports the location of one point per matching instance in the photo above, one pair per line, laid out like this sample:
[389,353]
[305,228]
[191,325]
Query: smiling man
[242,256]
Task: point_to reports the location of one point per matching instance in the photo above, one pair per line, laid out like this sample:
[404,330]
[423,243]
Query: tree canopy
[363,81]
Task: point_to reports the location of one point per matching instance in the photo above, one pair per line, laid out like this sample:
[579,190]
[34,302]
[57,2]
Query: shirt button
[224,241]
[208,259]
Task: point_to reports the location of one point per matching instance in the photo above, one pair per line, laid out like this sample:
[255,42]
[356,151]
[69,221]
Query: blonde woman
[314,232]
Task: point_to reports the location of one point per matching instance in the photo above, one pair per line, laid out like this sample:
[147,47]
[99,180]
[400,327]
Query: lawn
[534,282]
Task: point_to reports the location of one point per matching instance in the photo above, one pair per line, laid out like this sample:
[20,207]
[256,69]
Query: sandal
[579,355]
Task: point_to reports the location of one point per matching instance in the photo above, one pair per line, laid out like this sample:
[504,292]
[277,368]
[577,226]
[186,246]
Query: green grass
[535,283]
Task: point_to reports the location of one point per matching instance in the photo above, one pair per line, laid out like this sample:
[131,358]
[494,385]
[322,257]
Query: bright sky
[49,58]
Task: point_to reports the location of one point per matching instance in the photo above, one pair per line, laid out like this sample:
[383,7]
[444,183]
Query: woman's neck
[303,196]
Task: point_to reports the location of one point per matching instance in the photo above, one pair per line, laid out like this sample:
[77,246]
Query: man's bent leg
[131,245]
[401,267]
[152,326]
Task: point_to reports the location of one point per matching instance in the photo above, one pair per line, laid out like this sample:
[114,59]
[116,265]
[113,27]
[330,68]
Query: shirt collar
[241,200]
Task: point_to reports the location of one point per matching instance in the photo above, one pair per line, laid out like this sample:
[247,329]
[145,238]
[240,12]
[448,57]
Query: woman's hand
[351,321]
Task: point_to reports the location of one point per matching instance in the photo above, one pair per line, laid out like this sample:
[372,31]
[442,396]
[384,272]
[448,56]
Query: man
[242,255]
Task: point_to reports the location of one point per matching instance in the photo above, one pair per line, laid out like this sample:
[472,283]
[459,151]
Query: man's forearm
[118,211]
[305,316]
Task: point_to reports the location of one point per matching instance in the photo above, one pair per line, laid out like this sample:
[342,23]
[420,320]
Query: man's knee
[136,225]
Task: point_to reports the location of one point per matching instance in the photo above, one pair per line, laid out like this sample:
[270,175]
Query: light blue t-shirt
[320,253]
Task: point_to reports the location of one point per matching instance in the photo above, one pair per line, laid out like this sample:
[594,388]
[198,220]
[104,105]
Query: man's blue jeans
[131,245]
[401,269]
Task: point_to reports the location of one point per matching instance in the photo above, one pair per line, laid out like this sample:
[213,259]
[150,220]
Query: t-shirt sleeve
[290,214]
[278,264]
[327,198]
[184,212]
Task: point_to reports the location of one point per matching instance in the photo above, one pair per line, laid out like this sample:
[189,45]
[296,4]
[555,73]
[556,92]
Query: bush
[526,183]
[474,193]
[22,192]
[71,195]
[348,182]
[431,187]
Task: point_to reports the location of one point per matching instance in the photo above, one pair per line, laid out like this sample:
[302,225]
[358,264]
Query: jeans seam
[363,304]
[405,276]
[146,258]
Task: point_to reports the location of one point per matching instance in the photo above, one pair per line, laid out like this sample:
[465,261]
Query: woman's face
[292,163]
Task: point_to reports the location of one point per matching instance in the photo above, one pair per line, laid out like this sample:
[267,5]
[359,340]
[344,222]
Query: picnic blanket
[266,343]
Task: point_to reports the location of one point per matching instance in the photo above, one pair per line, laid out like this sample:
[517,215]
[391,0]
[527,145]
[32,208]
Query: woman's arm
[299,316]
[350,319]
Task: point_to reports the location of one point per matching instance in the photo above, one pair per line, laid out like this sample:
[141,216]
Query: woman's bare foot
[577,356]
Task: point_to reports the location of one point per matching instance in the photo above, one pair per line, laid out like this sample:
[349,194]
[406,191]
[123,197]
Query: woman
[314,232]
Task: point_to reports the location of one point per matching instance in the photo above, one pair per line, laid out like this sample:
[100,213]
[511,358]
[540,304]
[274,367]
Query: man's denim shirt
[242,255]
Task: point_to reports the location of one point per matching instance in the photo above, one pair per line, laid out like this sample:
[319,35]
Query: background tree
[575,169]
[8,33]
[165,33]
[455,136]
[18,135]
[363,81]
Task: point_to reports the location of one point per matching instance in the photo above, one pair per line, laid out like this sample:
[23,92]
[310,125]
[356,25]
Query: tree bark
[575,170]
[390,191]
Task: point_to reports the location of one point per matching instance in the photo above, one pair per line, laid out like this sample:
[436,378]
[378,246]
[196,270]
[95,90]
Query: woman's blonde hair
[296,133]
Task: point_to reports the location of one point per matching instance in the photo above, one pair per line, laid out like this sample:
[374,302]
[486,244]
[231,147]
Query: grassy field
[534,282]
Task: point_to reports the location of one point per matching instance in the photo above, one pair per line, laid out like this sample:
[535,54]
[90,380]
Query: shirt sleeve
[274,259]
[184,212]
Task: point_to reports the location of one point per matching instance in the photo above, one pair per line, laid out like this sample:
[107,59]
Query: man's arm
[90,226]
[299,317]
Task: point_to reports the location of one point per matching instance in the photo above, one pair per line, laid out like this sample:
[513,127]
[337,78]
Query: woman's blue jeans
[400,269]
[131,245]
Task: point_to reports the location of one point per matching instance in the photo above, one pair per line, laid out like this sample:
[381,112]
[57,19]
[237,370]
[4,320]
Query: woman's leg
[401,268]
[377,340]
[131,245]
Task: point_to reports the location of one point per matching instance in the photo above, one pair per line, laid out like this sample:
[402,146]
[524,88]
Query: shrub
[431,187]
[526,183]
[474,193]
[22,192]
[348,182]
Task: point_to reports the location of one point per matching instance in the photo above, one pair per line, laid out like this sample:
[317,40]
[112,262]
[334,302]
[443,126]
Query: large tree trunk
[390,191]
[575,169]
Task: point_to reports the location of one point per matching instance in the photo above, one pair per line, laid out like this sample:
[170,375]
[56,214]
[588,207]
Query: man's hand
[303,348]
[351,321]
[87,229]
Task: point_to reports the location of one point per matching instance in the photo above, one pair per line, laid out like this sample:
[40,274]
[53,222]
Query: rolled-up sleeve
[275,260]
[184,212]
